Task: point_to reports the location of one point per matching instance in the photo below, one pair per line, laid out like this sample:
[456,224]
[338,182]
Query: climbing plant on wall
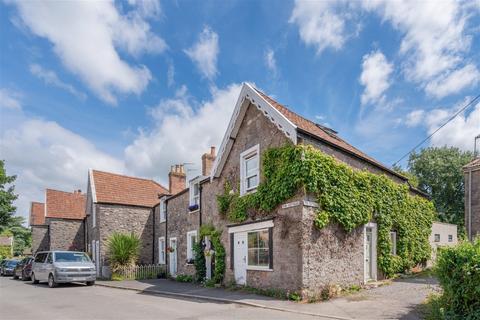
[346,196]
[219,256]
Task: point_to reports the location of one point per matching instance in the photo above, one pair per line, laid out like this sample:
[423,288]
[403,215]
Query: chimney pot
[207,161]
[177,179]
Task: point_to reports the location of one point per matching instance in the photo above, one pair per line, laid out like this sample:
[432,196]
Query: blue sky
[134,87]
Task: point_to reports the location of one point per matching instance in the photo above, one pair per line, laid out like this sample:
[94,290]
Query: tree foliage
[7,196]
[347,196]
[439,173]
[22,236]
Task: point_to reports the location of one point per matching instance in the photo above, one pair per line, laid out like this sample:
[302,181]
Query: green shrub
[123,250]
[184,278]
[199,262]
[458,270]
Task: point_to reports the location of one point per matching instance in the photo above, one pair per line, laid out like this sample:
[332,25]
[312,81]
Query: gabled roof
[37,213]
[473,164]
[65,205]
[115,188]
[289,123]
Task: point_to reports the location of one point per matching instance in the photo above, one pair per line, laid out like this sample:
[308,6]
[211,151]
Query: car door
[48,266]
[38,265]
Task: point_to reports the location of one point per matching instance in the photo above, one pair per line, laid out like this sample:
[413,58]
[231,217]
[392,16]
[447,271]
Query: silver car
[63,266]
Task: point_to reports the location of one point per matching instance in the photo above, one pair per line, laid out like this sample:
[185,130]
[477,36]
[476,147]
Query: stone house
[443,235]
[283,250]
[472,198]
[119,203]
[64,217]
[39,228]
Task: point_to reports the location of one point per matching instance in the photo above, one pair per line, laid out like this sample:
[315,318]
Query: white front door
[368,253]
[172,257]
[240,257]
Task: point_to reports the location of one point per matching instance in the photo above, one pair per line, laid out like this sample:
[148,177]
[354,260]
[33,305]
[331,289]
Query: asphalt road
[23,300]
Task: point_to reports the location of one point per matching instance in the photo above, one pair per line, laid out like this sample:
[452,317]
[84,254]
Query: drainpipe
[153,232]
[166,236]
[200,207]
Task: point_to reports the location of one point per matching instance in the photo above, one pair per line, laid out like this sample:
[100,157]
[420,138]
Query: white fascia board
[251,226]
[92,186]
[249,95]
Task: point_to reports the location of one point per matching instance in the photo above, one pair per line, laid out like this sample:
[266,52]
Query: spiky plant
[123,250]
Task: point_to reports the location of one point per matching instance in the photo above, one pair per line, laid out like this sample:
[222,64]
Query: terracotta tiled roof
[37,214]
[119,189]
[67,205]
[473,164]
[324,134]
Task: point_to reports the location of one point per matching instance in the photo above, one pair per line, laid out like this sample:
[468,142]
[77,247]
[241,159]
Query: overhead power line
[443,125]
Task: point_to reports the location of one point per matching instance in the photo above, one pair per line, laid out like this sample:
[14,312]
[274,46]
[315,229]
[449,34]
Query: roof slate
[119,189]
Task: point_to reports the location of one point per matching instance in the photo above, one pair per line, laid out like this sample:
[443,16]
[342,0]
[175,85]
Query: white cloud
[414,118]
[44,154]
[183,131]
[270,61]
[434,42]
[171,74]
[51,78]
[376,71]
[86,35]
[453,82]
[204,53]
[322,24]
[9,99]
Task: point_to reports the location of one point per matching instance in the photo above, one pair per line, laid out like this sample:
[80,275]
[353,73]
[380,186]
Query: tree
[7,196]
[439,173]
[22,237]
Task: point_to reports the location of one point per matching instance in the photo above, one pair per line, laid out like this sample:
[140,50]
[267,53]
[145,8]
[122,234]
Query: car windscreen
[11,263]
[71,257]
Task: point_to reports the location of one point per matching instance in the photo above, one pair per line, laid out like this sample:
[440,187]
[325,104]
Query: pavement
[398,300]
[24,301]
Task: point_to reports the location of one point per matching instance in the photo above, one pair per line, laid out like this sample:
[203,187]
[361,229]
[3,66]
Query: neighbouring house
[472,198]
[6,246]
[119,203]
[40,241]
[64,216]
[443,234]
[281,249]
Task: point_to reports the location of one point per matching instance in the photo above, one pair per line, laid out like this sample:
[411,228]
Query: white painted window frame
[247,154]
[163,210]
[394,242]
[256,267]
[192,196]
[190,253]
[161,250]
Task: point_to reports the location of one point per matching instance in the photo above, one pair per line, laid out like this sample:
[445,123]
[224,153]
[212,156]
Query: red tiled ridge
[37,214]
[472,164]
[120,189]
[322,134]
[67,205]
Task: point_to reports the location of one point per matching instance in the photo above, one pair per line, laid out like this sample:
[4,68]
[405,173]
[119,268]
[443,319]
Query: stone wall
[66,234]
[181,221]
[331,256]
[40,240]
[475,202]
[125,219]
[160,231]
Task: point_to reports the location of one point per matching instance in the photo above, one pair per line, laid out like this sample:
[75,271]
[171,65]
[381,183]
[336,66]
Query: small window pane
[450,238]
[263,257]
[252,239]
[252,257]
[251,165]
[263,239]
[437,237]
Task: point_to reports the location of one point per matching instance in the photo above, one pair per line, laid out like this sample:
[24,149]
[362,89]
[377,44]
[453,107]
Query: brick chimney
[207,162]
[177,179]
[79,191]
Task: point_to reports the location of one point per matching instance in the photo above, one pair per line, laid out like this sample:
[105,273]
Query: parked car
[7,267]
[23,269]
[57,267]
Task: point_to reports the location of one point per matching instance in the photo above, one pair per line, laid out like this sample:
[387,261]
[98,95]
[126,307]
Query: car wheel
[51,281]
[34,280]
[15,277]
[90,283]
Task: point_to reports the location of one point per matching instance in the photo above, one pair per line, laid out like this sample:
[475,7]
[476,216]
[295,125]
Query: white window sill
[162,221]
[249,192]
[194,211]
[161,263]
[253,268]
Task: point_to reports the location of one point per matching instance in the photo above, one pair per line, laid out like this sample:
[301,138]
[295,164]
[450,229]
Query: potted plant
[170,250]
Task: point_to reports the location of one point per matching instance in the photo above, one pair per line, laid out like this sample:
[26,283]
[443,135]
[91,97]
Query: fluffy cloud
[458,133]
[204,53]
[453,82]
[184,130]
[270,61]
[44,154]
[9,99]
[322,24]
[434,42]
[376,71]
[86,36]
[51,78]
